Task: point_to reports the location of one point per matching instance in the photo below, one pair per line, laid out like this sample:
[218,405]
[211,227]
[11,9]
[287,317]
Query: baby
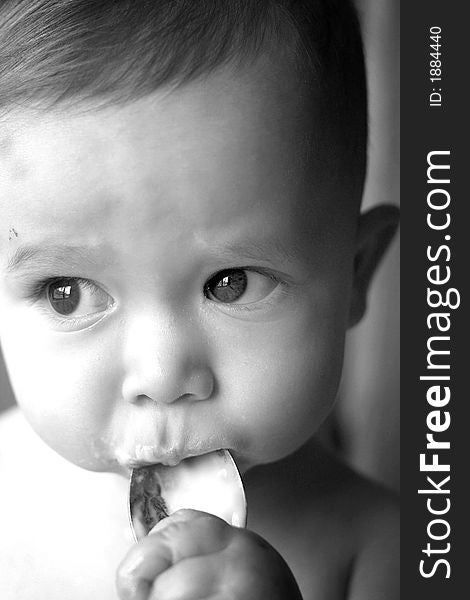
[181,254]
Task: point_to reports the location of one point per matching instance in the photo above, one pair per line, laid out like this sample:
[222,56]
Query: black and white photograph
[200,300]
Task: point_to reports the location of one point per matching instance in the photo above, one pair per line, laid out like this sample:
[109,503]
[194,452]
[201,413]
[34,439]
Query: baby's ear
[376,230]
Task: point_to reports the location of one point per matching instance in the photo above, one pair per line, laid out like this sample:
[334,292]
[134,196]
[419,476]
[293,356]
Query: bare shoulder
[367,506]
[361,517]
[370,520]
[337,530]
[58,522]
[18,504]
[376,571]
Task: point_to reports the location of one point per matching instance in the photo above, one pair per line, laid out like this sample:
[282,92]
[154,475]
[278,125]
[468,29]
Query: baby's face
[175,277]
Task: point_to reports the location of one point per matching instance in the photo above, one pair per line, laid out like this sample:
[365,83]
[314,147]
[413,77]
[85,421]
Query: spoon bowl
[209,483]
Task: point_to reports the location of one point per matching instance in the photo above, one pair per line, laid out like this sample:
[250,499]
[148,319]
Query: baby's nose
[165,360]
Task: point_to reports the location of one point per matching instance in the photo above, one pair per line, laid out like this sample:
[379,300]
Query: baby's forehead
[6,144]
[259,52]
[247,111]
[220,150]
[10,157]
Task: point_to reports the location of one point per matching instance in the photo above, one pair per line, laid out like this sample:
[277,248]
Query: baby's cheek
[65,386]
[285,391]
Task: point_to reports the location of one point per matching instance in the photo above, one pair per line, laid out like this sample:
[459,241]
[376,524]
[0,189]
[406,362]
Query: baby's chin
[247,462]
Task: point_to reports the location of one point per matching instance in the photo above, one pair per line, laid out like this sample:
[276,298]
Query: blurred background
[365,426]
[367,418]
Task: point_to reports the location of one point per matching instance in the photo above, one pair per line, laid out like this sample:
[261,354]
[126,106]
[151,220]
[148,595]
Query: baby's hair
[102,52]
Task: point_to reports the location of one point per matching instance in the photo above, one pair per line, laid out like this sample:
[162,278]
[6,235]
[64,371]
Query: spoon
[210,483]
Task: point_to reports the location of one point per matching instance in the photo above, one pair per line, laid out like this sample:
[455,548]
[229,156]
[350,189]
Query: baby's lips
[145,455]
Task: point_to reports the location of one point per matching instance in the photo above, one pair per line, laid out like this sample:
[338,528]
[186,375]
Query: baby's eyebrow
[271,249]
[53,256]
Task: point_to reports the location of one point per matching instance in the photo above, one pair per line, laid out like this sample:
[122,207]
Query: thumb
[184,534]
[180,516]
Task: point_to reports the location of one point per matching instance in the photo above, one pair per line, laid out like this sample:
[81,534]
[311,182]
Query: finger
[194,578]
[183,535]
[240,570]
[180,516]
[190,533]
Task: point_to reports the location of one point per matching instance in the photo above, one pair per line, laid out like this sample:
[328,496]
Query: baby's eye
[241,286]
[76,297]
